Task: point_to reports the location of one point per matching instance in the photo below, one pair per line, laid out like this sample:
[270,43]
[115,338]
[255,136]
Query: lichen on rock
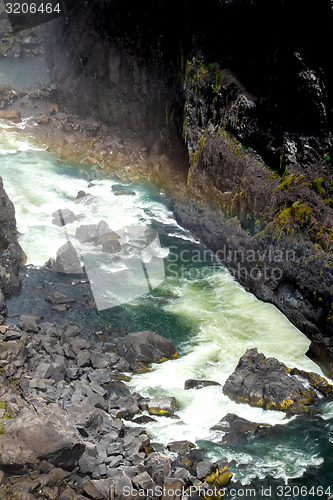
[269,384]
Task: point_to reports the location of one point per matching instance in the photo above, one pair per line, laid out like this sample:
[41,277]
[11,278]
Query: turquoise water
[199,306]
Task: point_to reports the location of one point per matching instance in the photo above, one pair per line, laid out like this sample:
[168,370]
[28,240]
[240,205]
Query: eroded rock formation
[244,128]
[11,254]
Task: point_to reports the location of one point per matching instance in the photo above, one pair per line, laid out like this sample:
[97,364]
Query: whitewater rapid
[222,319]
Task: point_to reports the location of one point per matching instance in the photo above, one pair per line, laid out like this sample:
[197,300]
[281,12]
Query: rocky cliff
[31,42]
[11,254]
[237,112]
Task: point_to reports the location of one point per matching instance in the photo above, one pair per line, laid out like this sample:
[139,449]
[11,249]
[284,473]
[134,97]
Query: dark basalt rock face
[141,348]
[236,429]
[269,384]
[199,384]
[216,95]
[321,352]
[122,62]
[31,42]
[11,254]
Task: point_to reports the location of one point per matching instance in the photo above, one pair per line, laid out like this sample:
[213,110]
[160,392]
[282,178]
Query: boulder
[41,120]
[172,487]
[67,260]
[189,461]
[127,192]
[104,233]
[98,489]
[143,481]
[198,384]
[143,419]
[122,483]
[12,115]
[162,406]
[59,298]
[141,348]
[316,381]
[67,494]
[15,455]
[63,217]
[87,233]
[158,466]
[180,447]
[269,384]
[28,323]
[111,246]
[204,468]
[81,194]
[122,189]
[236,428]
[50,436]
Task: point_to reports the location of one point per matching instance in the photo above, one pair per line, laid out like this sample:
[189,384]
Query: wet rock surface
[321,352]
[199,384]
[235,429]
[140,348]
[27,43]
[11,254]
[269,384]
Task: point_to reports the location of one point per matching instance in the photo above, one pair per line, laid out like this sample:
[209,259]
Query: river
[199,306]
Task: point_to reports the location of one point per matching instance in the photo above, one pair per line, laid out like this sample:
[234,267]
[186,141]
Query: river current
[199,306]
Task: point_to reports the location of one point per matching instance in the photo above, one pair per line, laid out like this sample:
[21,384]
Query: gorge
[211,137]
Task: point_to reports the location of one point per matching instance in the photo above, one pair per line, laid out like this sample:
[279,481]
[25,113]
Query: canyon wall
[235,115]
[11,254]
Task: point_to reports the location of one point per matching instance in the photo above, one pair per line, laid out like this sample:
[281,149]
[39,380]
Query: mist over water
[24,73]
[208,315]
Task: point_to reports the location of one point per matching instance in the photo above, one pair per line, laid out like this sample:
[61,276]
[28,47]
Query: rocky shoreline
[239,132]
[71,429]
[268,242]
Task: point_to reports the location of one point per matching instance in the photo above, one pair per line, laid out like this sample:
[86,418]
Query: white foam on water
[228,320]
[225,319]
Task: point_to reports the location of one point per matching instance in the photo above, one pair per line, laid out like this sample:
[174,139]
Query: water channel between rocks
[199,306]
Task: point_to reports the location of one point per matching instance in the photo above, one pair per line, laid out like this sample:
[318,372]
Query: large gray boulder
[49,436]
[235,429]
[15,455]
[63,216]
[87,233]
[269,384]
[162,406]
[142,348]
[67,260]
[158,466]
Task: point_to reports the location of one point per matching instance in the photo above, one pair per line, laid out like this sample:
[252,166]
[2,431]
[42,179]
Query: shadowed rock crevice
[11,254]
